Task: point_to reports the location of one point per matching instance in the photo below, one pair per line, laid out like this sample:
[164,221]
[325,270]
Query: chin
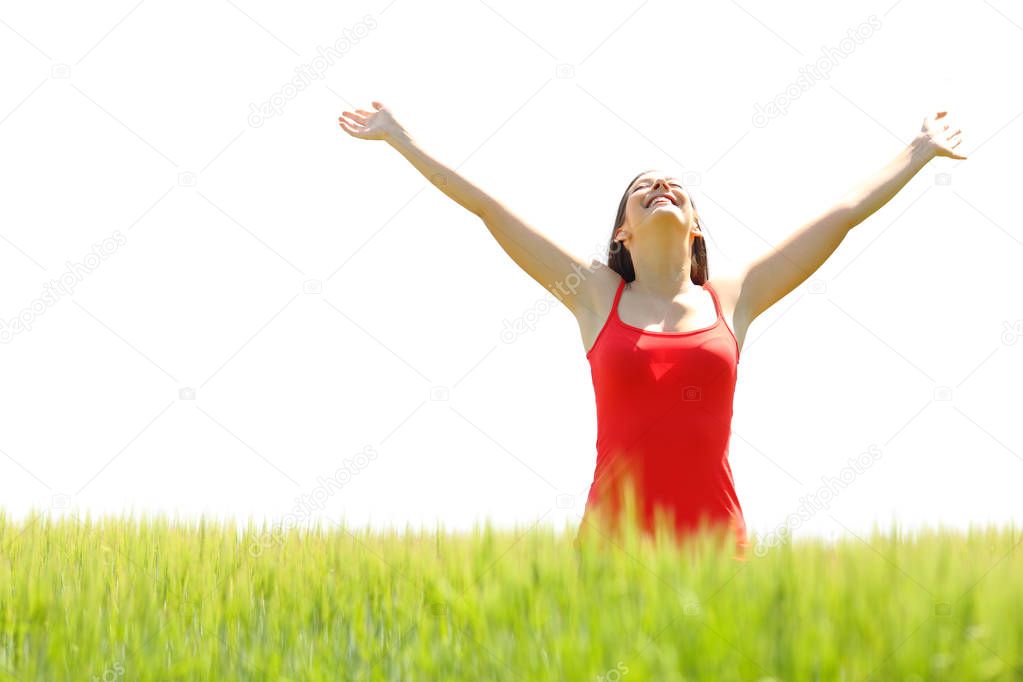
[668,217]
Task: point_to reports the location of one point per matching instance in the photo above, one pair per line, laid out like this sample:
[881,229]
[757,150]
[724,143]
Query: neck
[662,270]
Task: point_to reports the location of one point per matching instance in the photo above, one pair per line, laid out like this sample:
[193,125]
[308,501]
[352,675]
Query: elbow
[482,206]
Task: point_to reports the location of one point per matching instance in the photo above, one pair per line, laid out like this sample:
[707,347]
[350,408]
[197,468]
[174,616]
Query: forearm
[784,267]
[444,178]
[868,197]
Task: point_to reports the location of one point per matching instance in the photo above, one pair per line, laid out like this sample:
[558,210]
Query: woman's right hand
[941,135]
[370,125]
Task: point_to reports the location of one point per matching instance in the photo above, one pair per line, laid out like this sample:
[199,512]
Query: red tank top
[664,413]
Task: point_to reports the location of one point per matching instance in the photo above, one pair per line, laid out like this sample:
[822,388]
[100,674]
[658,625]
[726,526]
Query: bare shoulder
[727,286]
[594,297]
[588,292]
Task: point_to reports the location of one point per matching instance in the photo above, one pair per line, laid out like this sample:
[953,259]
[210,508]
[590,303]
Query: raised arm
[776,273]
[537,254]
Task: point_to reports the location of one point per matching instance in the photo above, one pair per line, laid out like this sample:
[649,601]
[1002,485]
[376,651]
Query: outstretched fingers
[954,141]
[351,128]
[375,124]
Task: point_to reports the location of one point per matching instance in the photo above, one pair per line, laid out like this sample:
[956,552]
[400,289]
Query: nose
[662,183]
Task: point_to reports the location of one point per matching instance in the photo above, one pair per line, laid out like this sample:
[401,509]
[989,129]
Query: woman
[663,339]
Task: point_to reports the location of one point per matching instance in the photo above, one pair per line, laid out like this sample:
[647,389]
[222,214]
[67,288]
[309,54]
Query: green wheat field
[125,598]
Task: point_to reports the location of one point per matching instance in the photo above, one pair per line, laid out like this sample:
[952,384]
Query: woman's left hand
[940,134]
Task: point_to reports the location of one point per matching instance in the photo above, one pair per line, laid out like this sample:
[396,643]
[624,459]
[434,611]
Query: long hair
[620,260]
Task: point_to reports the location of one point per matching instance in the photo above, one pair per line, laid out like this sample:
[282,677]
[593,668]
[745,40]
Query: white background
[135,117]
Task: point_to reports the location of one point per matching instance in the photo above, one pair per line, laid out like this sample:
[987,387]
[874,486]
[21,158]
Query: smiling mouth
[661,199]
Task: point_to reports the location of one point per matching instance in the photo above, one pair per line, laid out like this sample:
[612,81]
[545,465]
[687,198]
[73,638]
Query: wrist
[398,137]
[922,147]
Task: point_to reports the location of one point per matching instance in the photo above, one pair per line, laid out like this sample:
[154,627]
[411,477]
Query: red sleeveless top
[664,414]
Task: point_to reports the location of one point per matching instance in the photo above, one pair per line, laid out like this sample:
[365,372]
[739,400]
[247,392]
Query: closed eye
[673,184]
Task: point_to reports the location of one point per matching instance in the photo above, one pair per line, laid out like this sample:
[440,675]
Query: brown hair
[619,259]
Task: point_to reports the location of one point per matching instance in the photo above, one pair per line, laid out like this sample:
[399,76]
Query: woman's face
[656,200]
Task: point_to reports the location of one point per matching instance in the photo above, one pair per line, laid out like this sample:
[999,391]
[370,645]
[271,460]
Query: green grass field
[151,599]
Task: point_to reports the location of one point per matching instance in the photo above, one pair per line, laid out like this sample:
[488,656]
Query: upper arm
[563,273]
[773,275]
